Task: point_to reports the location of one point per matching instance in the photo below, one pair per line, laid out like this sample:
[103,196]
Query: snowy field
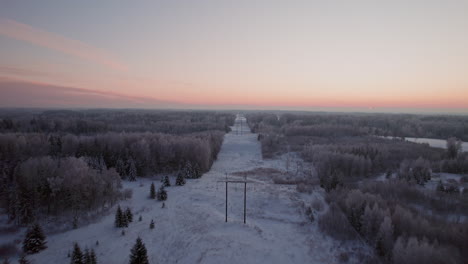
[435,143]
[192,229]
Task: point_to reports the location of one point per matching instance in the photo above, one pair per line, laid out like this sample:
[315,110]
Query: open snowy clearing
[192,228]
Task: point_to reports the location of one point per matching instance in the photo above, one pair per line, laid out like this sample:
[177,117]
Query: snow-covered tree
[162,194]
[77,255]
[138,254]
[92,257]
[34,240]
[132,171]
[128,215]
[152,191]
[453,147]
[196,171]
[86,257]
[121,168]
[166,181]
[120,218]
[180,180]
[23,260]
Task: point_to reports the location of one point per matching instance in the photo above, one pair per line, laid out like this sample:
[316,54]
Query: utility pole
[245,195]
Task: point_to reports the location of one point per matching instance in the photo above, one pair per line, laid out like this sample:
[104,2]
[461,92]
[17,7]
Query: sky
[396,56]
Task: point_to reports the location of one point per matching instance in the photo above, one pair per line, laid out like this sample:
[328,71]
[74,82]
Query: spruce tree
[162,194]
[138,254]
[119,218]
[77,255]
[128,215]
[23,260]
[132,171]
[180,180]
[188,172]
[86,257]
[34,240]
[196,171]
[92,256]
[152,191]
[152,224]
[166,181]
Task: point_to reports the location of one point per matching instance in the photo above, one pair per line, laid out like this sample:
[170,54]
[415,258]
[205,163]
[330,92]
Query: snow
[192,229]
[433,142]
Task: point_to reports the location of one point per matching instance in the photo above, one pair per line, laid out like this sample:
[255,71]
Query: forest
[71,161]
[397,216]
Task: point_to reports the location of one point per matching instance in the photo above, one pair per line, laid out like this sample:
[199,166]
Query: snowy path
[191,229]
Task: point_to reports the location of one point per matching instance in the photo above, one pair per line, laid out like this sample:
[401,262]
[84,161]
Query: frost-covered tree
[162,194]
[384,241]
[92,257]
[453,147]
[166,182]
[128,215]
[138,254]
[180,180]
[152,191]
[77,255]
[121,168]
[196,171]
[35,240]
[86,257]
[120,218]
[23,260]
[188,170]
[132,170]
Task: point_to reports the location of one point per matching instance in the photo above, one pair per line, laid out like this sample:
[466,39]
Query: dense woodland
[397,217]
[57,161]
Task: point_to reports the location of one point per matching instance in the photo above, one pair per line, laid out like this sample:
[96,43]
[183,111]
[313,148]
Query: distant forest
[61,160]
[398,217]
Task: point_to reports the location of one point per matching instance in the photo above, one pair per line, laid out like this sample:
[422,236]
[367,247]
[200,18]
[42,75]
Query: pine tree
[188,173]
[121,168]
[77,255]
[23,260]
[86,257]
[138,254]
[152,191]
[180,180]
[128,215]
[152,224]
[132,171]
[34,240]
[196,171]
[119,218]
[166,181]
[92,256]
[162,194]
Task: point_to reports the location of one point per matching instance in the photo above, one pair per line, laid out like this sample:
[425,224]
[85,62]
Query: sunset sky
[356,55]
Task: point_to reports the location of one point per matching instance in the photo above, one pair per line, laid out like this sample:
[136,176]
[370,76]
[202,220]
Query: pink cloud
[16,93]
[15,30]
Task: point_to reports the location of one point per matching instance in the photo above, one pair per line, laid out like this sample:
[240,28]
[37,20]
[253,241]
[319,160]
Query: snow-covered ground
[433,142]
[192,228]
